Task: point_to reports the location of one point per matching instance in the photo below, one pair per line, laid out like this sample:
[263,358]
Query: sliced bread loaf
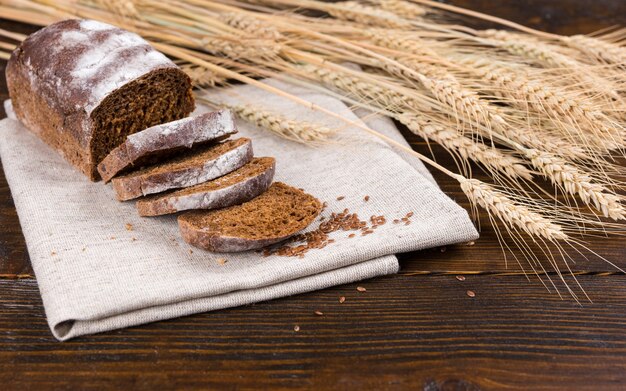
[273,216]
[82,86]
[197,166]
[235,188]
[145,147]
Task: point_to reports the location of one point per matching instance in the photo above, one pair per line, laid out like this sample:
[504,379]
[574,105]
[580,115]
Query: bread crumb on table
[222,261]
[471,293]
[340,198]
[342,299]
[460,278]
[361,289]
[53,253]
[296,328]
[129,227]
[319,313]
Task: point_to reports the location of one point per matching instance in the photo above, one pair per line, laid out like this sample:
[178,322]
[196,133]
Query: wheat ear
[577,182]
[359,87]
[523,92]
[236,48]
[597,49]
[363,14]
[251,25]
[490,157]
[403,9]
[201,77]
[509,212]
[549,57]
[300,131]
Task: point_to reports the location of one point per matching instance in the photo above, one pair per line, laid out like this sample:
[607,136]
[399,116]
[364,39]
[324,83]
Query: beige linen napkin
[100,266]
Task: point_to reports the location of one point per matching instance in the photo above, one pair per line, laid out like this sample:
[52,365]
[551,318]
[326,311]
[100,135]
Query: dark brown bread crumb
[152,145]
[340,198]
[272,217]
[188,169]
[234,188]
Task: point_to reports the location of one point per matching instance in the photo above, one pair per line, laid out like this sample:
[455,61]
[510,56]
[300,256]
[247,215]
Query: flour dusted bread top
[83,61]
[82,86]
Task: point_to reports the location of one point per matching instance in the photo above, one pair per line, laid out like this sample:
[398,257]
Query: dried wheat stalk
[490,157]
[300,131]
[510,212]
[576,182]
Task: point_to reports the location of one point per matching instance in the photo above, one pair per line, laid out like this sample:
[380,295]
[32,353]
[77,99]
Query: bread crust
[234,194]
[160,139]
[134,186]
[57,91]
[207,235]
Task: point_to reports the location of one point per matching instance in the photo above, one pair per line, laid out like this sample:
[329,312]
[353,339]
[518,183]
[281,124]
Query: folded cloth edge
[361,271]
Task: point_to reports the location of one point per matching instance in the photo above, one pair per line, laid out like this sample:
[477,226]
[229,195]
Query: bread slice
[165,140]
[273,216]
[235,188]
[197,166]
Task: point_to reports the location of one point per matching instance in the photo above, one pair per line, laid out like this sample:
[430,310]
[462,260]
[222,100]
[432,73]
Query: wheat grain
[509,212]
[301,131]
[576,182]
[490,157]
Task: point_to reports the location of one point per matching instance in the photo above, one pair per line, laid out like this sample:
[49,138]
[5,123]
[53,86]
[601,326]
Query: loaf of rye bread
[270,218]
[83,86]
[235,188]
[157,142]
[191,168]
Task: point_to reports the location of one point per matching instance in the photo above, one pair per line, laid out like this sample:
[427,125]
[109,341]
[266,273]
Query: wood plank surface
[416,330]
[402,333]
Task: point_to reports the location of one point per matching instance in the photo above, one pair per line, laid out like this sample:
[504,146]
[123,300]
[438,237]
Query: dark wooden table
[414,330]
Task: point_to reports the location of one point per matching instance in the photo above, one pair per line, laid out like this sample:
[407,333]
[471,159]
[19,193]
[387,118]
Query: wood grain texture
[416,330]
[402,333]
